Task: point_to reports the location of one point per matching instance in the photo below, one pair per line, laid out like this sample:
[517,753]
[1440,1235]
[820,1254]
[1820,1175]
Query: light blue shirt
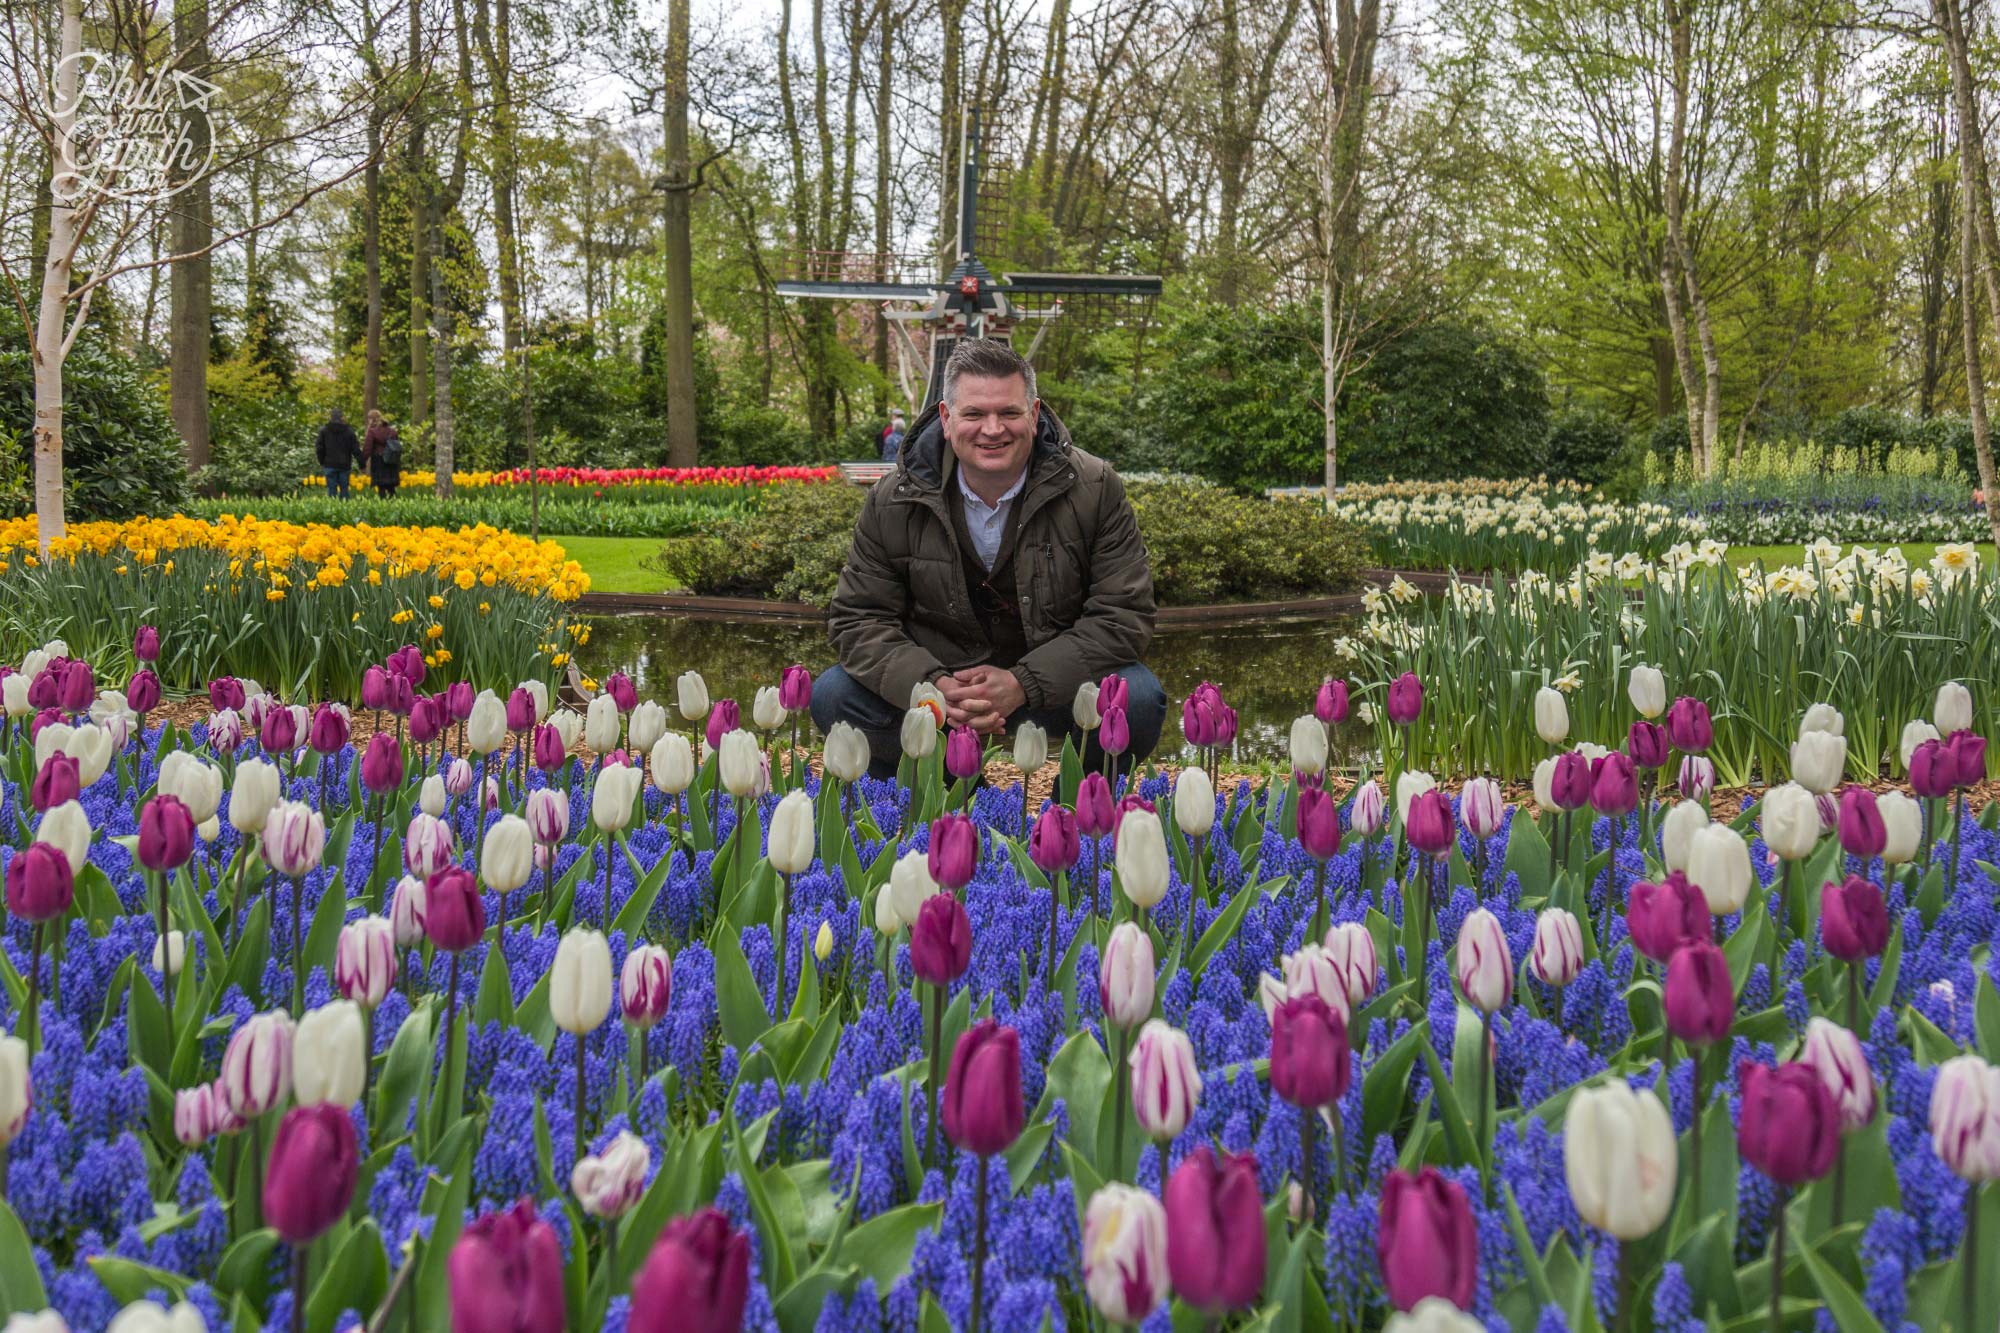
[986,523]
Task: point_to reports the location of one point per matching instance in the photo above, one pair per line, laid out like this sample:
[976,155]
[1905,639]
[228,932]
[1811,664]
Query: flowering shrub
[1399,1063]
[593,477]
[298,605]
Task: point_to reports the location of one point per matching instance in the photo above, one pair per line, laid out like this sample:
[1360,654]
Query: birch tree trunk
[190,285]
[681,434]
[1979,255]
[1676,258]
[1975,374]
[65,230]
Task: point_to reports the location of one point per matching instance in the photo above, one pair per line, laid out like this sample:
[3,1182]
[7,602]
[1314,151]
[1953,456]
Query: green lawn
[1775,557]
[613,563]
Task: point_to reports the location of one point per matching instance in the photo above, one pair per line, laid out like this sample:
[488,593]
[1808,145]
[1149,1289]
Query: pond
[1268,672]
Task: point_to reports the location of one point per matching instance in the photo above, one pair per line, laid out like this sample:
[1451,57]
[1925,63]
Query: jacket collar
[926,459]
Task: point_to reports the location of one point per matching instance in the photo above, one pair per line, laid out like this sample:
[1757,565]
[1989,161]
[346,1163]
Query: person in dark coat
[335,449]
[382,451]
[997,562]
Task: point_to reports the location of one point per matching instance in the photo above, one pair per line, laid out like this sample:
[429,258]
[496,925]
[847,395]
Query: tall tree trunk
[1055,75]
[816,319]
[444,319]
[951,128]
[1934,279]
[420,231]
[1232,151]
[1675,257]
[1979,255]
[191,284]
[371,258]
[65,231]
[884,156]
[1347,41]
[495,49]
[681,440]
[1975,375]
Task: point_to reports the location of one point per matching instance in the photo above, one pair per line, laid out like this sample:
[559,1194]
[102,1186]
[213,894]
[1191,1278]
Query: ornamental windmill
[968,302]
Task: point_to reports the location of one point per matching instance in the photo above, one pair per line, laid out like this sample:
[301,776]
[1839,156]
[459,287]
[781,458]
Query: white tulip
[1677,832]
[847,754]
[1719,864]
[173,956]
[1647,689]
[1903,822]
[1308,745]
[909,884]
[740,763]
[1953,710]
[1545,784]
[600,725]
[1788,819]
[1410,784]
[1915,734]
[1031,748]
[48,1321]
[611,799]
[1141,857]
[919,732]
[194,781]
[766,713]
[569,727]
[608,1183]
[1823,717]
[14,695]
[67,828]
[1083,709]
[691,694]
[1819,761]
[790,844]
[646,726]
[1621,1159]
[1558,953]
[1551,716]
[1194,800]
[431,796]
[330,1056]
[507,856]
[539,692]
[1433,1314]
[254,795]
[673,763]
[486,728]
[17,1090]
[581,982]
[90,746]
[1351,950]
[886,920]
[151,1317]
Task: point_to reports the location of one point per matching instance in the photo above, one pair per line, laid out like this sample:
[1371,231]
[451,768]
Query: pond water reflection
[1268,672]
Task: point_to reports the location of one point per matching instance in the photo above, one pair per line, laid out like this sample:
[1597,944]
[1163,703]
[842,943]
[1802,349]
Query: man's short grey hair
[984,358]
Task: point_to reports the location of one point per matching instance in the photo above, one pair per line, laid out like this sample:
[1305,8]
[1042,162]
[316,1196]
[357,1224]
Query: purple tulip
[315,1160]
[408,662]
[1570,781]
[458,700]
[940,940]
[55,781]
[1094,807]
[1131,800]
[402,695]
[549,752]
[1201,716]
[1425,1240]
[1319,824]
[454,909]
[1862,832]
[1933,770]
[696,1280]
[1789,1126]
[1311,1063]
[166,834]
[375,688]
[45,690]
[1429,827]
[1114,733]
[43,719]
[983,1111]
[722,719]
[1112,692]
[1054,845]
[521,710]
[382,764]
[1215,1231]
[142,692]
[1330,706]
[622,691]
[1699,995]
[954,851]
[1665,916]
[1688,726]
[329,729]
[506,1275]
[1697,777]
[795,689]
[1614,786]
[961,752]
[426,720]
[1646,742]
[146,644]
[1853,919]
[1406,699]
[78,688]
[1968,757]
[40,886]
[280,732]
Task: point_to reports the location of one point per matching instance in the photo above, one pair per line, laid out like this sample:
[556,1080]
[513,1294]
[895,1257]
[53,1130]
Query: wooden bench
[865,474]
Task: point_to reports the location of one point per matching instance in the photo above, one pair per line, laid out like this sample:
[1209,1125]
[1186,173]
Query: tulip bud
[1964,1118]
[56,782]
[1953,710]
[1308,971]
[364,961]
[14,694]
[67,829]
[548,814]
[1350,950]
[940,940]
[1410,784]
[166,834]
[982,1109]
[1141,858]
[1614,786]
[1558,951]
[697,1279]
[608,1183]
[507,857]
[1406,699]
[486,727]
[1367,813]
[1485,964]
[1551,716]
[1429,825]
[691,694]
[257,1064]
[1677,831]
[600,725]
[17,1093]
[1125,977]
[1125,1253]
[1194,802]
[739,760]
[1718,861]
[1311,1065]
[1915,733]
[1933,772]
[1096,812]
[724,718]
[1697,777]
[1215,1231]
[1053,846]
[1083,709]
[1114,731]
[169,953]
[406,912]
[1699,996]
[1689,727]
[909,884]
[1967,750]
[616,788]
[382,764]
[1483,806]
[1902,827]
[1788,819]
[1662,917]
[254,795]
[766,712]
[953,856]
[886,920]
[40,884]
[790,844]
[1788,1126]
[506,1276]
[645,986]
[1031,748]
[580,981]
[1819,760]
[1835,1055]
[962,757]
[823,942]
[846,753]
[520,710]
[196,1115]
[1317,819]
[279,731]
[795,688]
[673,764]
[1621,1158]
[1647,689]
[1647,743]
[427,846]
[1426,1241]
[1309,745]
[330,1056]
[646,727]
[149,1317]
[452,910]
[1330,704]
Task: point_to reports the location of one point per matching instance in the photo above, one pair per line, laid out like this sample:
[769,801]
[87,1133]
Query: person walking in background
[335,449]
[382,450]
[892,438]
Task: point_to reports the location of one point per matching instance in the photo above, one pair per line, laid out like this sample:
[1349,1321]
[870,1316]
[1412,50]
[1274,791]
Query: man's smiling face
[991,427]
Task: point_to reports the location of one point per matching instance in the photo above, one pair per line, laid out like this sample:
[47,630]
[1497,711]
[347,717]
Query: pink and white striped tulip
[364,961]
[257,1066]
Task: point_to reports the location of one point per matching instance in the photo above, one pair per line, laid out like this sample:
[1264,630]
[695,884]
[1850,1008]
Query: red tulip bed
[455,1030]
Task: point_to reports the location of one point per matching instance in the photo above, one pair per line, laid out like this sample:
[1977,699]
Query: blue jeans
[336,481]
[839,697]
